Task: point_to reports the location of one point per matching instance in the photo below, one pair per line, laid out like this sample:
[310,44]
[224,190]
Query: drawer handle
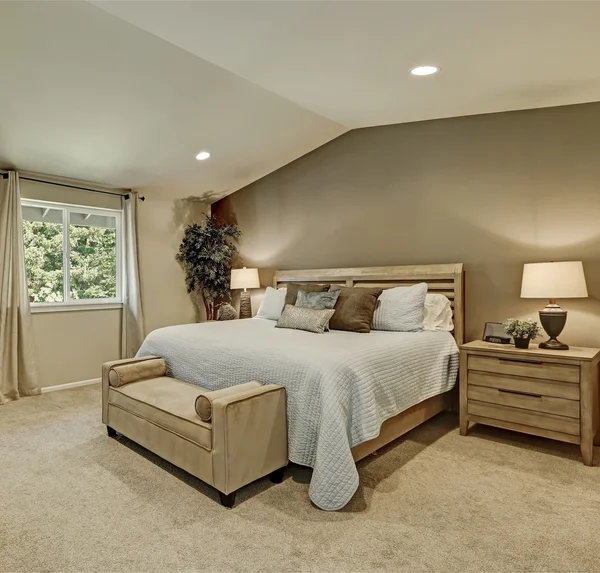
[520,393]
[519,361]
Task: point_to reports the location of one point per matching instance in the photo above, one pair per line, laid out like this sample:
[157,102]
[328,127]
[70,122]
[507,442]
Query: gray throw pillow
[308,319]
[317,300]
[293,288]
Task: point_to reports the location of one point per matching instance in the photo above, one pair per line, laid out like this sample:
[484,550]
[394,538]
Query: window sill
[42,308]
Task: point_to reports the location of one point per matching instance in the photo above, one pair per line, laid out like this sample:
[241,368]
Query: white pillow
[438,313]
[272,304]
[400,309]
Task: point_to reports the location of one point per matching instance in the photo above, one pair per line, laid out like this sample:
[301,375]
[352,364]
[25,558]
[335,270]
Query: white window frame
[69,303]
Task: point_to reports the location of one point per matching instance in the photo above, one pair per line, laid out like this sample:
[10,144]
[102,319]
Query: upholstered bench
[227,438]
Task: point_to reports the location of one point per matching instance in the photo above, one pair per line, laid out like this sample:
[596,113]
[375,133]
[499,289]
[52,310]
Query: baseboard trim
[71,385]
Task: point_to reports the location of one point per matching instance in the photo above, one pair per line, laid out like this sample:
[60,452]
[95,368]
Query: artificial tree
[205,255]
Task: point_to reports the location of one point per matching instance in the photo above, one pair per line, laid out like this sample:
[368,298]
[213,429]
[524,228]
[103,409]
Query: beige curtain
[132,331]
[18,369]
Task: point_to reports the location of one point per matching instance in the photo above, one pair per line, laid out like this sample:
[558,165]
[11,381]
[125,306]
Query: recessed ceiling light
[203,155]
[424,70]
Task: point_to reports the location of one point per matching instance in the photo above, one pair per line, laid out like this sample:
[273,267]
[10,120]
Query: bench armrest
[249,436]
[105,383]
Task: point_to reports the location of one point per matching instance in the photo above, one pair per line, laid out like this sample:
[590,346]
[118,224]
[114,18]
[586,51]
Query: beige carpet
[72,499]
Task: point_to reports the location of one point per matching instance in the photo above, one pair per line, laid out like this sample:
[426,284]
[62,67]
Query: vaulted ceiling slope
[127,92]
[86,95]
[349,60]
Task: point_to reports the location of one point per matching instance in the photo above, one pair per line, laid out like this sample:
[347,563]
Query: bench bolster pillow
[127,373]
[204,401]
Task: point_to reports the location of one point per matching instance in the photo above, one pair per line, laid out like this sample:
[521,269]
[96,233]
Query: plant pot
[522,342]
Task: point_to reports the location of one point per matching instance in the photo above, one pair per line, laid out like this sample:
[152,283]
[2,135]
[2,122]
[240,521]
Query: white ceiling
[349,61]
[88,96]
[128,92]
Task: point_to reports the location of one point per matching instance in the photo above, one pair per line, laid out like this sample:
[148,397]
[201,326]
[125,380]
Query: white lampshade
[554,280]
[244,278]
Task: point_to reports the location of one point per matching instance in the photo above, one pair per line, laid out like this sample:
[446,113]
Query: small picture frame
[494,332]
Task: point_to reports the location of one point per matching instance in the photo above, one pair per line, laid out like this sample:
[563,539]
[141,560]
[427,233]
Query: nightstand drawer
[525,401]
[528,385]
[548,393]
[524,367]
[551,422]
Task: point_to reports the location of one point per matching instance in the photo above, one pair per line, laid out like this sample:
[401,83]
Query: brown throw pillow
[354,309]
[293,288]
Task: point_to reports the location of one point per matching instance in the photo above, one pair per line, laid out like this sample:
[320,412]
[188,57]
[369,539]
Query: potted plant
[205,255]
[522,331]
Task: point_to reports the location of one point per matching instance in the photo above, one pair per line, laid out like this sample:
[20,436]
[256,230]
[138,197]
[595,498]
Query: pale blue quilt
[341,386]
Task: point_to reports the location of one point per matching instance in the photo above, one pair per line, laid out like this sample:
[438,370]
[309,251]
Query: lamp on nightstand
[245,278]
[552,281]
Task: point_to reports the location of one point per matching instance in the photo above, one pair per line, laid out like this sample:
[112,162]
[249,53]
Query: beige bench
[227,438]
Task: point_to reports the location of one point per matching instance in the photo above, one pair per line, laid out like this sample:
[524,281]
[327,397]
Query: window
[72,254]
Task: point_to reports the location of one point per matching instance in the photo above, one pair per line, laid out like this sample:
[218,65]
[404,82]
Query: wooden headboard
[446,279]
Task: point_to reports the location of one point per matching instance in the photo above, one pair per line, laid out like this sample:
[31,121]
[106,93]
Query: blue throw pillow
[317,300]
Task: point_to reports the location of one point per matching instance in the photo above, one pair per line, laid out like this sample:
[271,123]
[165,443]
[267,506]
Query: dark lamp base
[553,319]
[553,344]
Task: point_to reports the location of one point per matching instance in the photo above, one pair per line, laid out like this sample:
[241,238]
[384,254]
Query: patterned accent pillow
[401,309]
[293,288]
[226,312]
[308,319]
[354,309]
[317,300]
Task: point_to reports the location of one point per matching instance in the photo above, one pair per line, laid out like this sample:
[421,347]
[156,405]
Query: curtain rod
[124,195]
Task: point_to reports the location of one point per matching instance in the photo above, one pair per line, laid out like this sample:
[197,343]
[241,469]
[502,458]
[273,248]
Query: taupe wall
[71,346]
[492,191]
[161,221]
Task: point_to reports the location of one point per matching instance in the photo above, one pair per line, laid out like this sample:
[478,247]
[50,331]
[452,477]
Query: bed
[348,394]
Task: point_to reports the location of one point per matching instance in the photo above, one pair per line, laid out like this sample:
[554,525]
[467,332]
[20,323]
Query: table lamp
[245,278]
[552,281]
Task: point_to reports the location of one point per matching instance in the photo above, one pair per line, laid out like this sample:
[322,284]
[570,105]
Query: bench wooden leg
[227,499]
[277,475]
[112,433]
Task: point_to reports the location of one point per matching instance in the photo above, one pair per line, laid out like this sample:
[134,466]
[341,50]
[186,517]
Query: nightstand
[549,393]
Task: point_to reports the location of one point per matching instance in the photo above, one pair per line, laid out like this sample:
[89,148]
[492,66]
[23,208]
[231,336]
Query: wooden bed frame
[446,279]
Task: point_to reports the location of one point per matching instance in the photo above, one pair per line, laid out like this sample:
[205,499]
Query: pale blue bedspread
[341,386]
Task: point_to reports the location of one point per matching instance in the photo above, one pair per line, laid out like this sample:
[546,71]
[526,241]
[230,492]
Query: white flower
[522,328]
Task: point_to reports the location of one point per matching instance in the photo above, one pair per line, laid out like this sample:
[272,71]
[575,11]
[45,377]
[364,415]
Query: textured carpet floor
[72,499]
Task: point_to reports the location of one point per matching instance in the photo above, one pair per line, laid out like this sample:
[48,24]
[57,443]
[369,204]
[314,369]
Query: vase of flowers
[522,331]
